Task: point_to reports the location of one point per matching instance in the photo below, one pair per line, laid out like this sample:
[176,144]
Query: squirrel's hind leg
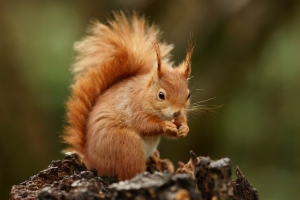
[117,150]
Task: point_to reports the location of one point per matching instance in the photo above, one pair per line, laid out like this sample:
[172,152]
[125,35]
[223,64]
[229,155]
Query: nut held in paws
[177,122]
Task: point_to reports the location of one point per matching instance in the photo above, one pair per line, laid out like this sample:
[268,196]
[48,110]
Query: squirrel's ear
[185,68]
[158,55]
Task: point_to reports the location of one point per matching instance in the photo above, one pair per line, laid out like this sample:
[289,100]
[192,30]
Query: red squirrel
[126,95]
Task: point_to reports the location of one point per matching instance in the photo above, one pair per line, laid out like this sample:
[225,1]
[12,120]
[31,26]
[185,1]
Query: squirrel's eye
[189,96]
[161,95]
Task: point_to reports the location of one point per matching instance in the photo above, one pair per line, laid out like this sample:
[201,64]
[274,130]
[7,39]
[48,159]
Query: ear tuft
[188,56]
[185,68]
[158,54]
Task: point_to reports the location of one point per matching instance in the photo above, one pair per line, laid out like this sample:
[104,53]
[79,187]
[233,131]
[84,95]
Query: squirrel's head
[170,93]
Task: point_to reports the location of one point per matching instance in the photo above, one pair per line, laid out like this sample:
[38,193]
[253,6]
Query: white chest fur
[150,145]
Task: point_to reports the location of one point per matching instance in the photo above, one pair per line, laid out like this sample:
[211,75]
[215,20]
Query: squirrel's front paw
[170,129]
[183,130]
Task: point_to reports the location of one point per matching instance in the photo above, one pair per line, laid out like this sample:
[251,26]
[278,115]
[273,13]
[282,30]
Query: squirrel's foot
[170,129]
[155,163]
[183,130]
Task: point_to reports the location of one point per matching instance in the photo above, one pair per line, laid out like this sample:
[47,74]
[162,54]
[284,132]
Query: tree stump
[199,179]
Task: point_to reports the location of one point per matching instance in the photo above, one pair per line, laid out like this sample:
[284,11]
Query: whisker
[204,100]
[200,110]
[197,114]
[204,107]
[190,78]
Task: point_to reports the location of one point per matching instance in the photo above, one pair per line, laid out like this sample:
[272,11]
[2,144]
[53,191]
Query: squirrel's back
[110,53]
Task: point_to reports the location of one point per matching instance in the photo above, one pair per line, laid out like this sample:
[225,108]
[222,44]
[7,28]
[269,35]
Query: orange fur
[115,117]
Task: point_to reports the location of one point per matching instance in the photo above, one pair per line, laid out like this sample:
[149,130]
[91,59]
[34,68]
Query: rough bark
[199,179]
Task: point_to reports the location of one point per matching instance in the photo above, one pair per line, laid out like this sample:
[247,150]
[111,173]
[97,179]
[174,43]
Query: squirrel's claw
[183,130]
[170,129]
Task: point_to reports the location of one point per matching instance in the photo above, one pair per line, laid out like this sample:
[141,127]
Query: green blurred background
[247,56]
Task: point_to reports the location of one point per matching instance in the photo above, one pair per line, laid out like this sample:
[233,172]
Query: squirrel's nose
[177,114]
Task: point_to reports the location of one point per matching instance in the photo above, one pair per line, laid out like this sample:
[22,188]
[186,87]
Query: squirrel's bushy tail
[110,53]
